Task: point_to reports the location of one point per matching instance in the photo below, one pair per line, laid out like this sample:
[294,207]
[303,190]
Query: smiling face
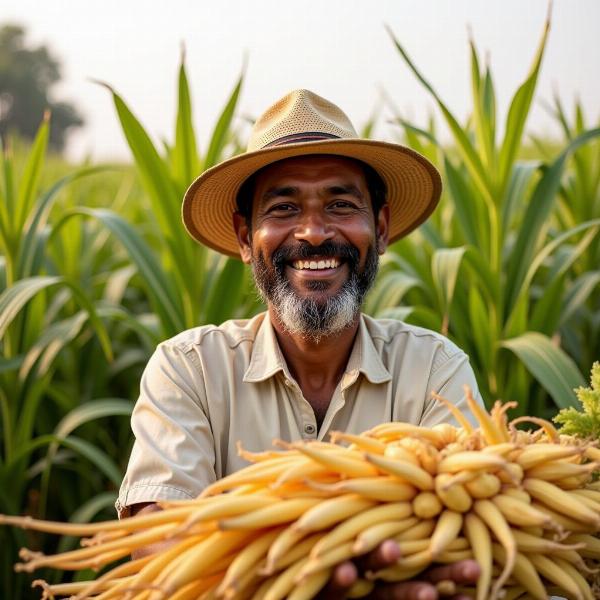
[313,241]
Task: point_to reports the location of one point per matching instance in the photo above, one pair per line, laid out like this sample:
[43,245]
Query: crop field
[96,270]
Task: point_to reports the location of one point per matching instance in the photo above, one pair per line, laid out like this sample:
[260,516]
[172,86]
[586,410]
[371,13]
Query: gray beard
[310,318]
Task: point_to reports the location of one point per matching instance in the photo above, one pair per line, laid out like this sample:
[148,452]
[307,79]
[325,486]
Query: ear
[382,228]
[242,232]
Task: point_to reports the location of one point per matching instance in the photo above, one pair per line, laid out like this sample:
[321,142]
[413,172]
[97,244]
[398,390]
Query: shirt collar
[267,359]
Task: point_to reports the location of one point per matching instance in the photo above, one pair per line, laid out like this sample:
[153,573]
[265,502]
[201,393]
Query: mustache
[328,249]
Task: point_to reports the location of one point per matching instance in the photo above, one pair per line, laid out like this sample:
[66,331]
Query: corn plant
[579,201]
[187,283]
[495,268]
[56,334]
[94,273]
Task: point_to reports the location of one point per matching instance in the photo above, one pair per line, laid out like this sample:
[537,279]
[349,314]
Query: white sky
[337,48]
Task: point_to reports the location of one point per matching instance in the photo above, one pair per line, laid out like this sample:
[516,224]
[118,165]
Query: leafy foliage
[95,270]
[508,265]
[584,423]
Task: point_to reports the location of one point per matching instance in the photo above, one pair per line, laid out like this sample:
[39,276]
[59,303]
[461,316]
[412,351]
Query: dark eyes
[342,204]
[287,208]
[283,207]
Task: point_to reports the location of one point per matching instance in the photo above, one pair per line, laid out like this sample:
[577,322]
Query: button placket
[308,424]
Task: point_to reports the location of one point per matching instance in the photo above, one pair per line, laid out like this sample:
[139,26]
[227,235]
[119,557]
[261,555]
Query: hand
[462,573]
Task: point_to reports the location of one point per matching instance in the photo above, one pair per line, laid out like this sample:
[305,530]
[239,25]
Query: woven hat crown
[300,116]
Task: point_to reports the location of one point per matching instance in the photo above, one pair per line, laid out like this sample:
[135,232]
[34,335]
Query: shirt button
[288,383]
[310,429]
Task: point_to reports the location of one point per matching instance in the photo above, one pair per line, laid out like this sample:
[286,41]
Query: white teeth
[315,265]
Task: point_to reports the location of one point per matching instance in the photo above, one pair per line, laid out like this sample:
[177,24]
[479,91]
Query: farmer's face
[314,240]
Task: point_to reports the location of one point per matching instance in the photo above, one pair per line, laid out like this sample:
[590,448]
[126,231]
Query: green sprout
[586,423]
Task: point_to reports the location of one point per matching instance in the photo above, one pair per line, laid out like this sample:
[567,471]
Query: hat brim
[413,187]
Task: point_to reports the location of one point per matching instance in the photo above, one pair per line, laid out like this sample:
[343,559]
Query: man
[310,207]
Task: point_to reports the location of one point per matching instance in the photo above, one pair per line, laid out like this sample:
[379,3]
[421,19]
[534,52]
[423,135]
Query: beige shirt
[210,386]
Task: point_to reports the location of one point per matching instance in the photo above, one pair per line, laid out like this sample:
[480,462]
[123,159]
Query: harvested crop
[524,504]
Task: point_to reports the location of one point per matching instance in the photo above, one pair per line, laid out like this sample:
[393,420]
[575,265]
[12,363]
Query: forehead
[312,167]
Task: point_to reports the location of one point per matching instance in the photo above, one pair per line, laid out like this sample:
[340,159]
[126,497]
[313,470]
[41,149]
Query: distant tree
[26,78]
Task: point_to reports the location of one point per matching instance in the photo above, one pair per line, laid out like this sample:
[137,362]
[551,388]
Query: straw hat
[303,123]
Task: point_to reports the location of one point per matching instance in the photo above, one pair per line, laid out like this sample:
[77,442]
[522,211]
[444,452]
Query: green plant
[91,279]
[49,321]
[584,423]
[495,268]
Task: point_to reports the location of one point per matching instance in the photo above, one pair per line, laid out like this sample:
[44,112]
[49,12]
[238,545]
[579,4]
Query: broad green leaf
[41,355]
[481,330]
[225,293]
[144,325]
[10,364]
[157,181]
[553,369]
[578,294]
[567,254]
[410,128]
[487,280]
[481,116]
[389,290]
[7,200]
[513,204]
[546,311]
[6,421]
[34,239]
[517,116]
[31,175]
[117,284]
[90,411]
[186,164]
[14,299]
[489,111]
[466,206]
[221,130]
[162,290]
[86,449]
[464,144]
[536,220]
[127,359]
[421,316]
[540,257]
[97,457]
[445,265]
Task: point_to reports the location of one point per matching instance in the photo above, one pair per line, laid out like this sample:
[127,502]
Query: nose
[314,229]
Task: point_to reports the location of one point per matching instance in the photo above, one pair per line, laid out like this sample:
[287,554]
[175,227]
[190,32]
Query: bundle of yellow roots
[523,504]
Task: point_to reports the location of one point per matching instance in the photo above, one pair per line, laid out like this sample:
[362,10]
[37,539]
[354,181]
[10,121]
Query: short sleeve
[448,380]
[173,453]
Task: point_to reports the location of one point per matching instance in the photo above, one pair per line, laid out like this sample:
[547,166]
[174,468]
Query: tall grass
[96,269]
[54,333]
[506,266]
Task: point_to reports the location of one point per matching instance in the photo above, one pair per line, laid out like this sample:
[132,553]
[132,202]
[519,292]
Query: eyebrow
[277,192]
[335,190]
[348,189]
